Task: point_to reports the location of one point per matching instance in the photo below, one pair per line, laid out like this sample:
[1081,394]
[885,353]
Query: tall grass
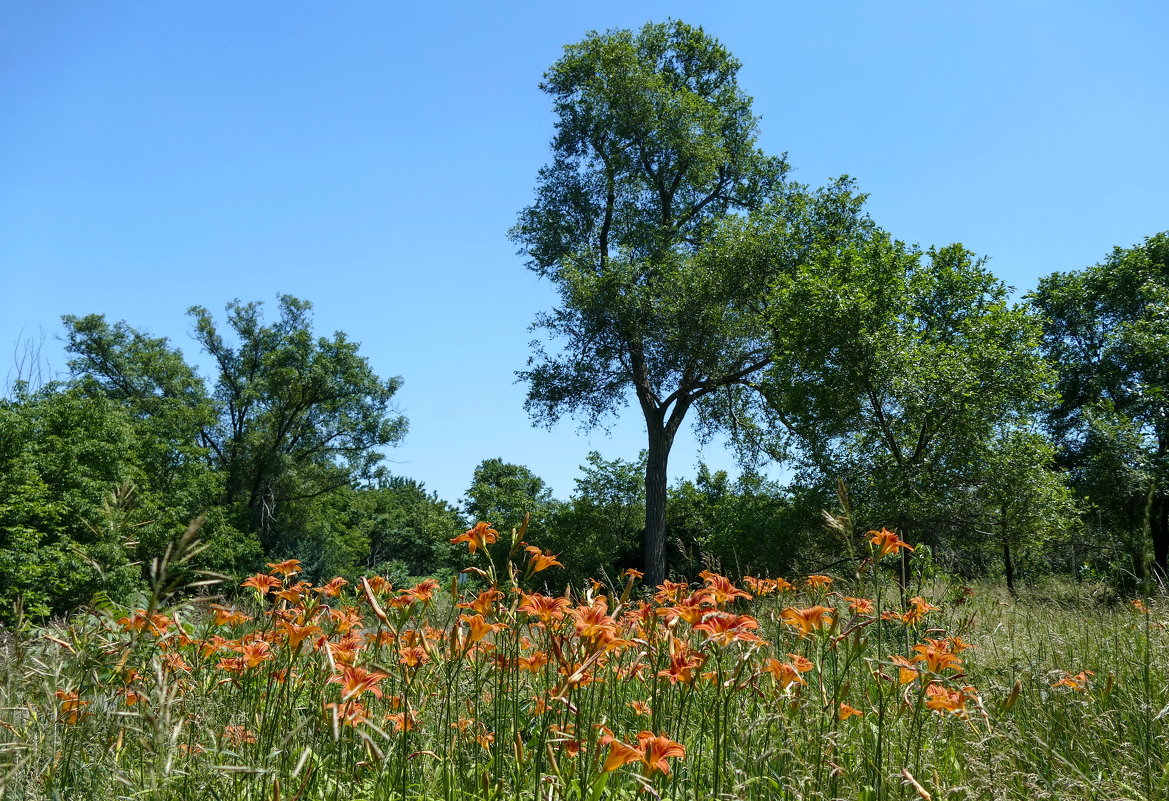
[844,686]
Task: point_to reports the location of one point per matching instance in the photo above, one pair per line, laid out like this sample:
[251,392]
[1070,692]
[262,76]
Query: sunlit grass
[842,686]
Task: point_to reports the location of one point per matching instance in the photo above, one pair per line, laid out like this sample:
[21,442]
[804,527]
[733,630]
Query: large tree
[894,369]
[290,418]
[1107,329]
[640,222]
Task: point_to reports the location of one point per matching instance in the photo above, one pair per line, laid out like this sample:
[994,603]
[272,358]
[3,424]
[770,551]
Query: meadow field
[856,685]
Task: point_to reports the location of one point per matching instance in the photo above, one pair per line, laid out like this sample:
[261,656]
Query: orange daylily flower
[847,712]
[72,707]
[479,627]
[356,680]
[140,621]
[478,537]
[238,735]
[920,607]
[484,603]
[641,708]
[785,673]
[350,713]
[813,618]
[423,591]
[725,628]
[332,588]
[297,634]
[403,721]
[255,652]
[223,616]
[538,560]
[544,607]
[413,656]
[1078,682]
[936,655]
[888,542]
[287,568]
[656,749]
[859,606]
[941,700]
[669,592]
[720,588]
[262,583]
[818,582]
[294,594]
[534,663]
[684,663]
[620,754]
[593,620]
[906,672]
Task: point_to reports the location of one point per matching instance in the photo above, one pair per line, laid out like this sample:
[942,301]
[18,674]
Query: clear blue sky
[370,157]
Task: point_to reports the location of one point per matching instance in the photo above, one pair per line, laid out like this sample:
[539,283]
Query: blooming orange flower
[785,673]
[684,663]
[813,618]
[859,606]
[332,588]
[478,537]
[156,624]
[593,620]
[174,662]
[534,663]
[619,754]
[544,607]
[1139,606]
[906,672]
[350,713]
[817,582]
[847,712]
[725,628]
[936,655]
[538,560]
[287,568]
[656,749]
[403,721]
[238,735]
[691,609]
[1078,682]
[423,591]
[72,707]
[224,616]
[413,656]
[941,700]
[297,634]
[669,591]
[356,680]
[484,603]
[255,652]
[641,708]
[888,542]
[920,607]
[262,583]
[629,572]
[720,588]
[294,594]
[479,627]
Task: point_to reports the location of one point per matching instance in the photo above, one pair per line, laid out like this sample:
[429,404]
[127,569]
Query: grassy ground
[851,689]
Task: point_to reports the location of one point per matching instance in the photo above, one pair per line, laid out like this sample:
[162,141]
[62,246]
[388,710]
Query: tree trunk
[1008,563]
[1159,531]
[660,441]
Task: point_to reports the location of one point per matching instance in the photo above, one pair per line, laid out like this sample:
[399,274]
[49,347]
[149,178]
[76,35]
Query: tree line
[901,386]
